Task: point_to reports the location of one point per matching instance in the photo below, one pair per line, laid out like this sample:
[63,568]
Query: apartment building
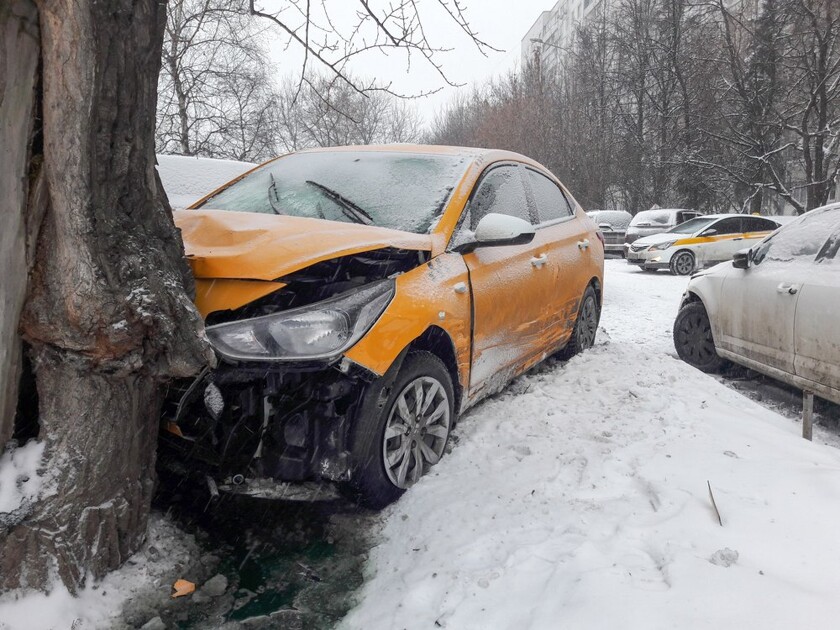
[553,31]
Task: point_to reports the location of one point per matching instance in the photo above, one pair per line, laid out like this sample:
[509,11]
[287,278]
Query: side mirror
[742,259]
[709,232]
[495,230]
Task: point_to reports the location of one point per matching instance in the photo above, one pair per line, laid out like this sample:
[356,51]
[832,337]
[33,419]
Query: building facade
[554,30]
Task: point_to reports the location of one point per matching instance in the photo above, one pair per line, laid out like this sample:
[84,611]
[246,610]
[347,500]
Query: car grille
[613,238]
[637,248]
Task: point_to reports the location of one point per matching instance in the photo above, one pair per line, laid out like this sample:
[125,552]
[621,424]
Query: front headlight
[318,331]
[661,247]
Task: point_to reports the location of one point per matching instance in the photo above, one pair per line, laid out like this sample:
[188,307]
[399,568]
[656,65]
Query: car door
[758,305]
[567,244]
[510,284]
[816,328]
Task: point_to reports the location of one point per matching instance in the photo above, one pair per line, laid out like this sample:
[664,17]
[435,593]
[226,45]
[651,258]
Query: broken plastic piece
[182,587]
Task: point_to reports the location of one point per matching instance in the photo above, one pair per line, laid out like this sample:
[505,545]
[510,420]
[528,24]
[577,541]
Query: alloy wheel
[683,264]
[587,324]
[416,431]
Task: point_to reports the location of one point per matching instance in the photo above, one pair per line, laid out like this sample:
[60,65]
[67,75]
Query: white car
[775,308]
[699,242]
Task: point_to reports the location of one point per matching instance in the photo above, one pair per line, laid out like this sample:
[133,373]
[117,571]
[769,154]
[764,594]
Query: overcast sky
[501,23]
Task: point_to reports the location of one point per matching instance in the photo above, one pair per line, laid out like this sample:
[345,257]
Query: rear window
[392,189]
[616,219]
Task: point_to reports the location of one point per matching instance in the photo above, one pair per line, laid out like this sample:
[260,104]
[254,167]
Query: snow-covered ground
[188,179]
[579,498]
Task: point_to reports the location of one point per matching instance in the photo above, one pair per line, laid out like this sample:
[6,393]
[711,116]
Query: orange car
[360,298]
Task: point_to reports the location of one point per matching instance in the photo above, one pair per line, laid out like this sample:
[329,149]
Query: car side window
[804,238]
[500,191]
[728,226]
[682,217]
[758,224]
[549,198]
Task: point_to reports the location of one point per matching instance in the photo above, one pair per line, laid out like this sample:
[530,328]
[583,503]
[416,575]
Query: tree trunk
[107,311]
[18,72]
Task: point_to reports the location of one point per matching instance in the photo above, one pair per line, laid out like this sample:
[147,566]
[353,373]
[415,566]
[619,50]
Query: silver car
[657,221]
[774,308]
[613,226]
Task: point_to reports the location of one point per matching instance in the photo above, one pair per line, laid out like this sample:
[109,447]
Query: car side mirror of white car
[742,259]
[495,230]
[709,232]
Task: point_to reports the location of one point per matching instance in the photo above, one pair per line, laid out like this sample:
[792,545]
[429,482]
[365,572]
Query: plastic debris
[182,587]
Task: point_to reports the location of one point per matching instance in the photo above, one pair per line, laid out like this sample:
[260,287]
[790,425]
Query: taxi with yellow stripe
[700,242]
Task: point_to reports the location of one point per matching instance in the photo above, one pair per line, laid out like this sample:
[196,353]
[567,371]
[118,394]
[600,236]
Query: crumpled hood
[251,246]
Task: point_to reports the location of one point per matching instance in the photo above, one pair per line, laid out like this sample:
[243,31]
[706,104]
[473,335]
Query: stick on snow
[714,505]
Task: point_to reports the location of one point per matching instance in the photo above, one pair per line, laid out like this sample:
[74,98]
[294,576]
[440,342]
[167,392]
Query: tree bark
[107,313]
[18,72]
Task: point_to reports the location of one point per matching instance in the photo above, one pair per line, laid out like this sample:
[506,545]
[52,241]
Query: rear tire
[399,441]
[693,338]
[586,325]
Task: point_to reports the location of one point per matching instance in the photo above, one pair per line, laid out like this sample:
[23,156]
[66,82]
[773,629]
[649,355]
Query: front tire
[693,338]
[683,263]
[392,448]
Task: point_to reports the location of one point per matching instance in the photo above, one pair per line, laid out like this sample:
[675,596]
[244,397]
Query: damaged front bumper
[262,429]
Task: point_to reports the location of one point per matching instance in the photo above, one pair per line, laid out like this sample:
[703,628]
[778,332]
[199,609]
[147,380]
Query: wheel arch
[597,285]
[438,342]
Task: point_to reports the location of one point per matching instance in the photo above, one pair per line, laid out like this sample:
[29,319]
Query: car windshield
[801,239]
[392,189]
[653,217]
[691,226]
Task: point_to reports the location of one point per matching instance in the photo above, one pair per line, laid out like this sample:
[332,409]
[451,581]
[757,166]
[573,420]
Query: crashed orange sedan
[360,298]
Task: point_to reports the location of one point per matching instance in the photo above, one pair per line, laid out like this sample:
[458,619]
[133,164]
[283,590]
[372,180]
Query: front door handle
[790,289]
[584,244]
[539,261]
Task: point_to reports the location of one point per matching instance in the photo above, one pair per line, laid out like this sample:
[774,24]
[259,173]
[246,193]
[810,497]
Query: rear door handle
[791,289]
[584,244]
[539,261]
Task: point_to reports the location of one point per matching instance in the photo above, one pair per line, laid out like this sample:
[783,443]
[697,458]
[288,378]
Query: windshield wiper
[350,209]
[273,188]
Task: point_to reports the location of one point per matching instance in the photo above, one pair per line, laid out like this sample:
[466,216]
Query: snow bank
[188,179]
[579,499]
[143,584]
[19,479]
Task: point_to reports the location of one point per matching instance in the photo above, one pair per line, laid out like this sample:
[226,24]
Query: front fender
[434,294]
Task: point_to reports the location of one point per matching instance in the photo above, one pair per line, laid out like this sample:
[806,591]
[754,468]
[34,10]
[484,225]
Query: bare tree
[325,111]
[213,71]
[107,315]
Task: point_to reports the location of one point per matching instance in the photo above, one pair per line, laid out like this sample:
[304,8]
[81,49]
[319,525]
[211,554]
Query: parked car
[773,308]
[613,225]
[700,242]
[360,298]
[650,222]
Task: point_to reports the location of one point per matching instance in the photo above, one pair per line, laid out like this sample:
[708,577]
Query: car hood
[251,246]
[656,239]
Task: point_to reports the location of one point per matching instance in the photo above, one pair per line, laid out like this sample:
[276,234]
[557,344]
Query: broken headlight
[318,331]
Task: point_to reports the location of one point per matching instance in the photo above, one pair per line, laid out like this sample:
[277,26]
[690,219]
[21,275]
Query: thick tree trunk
[18,72]
[107,312]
